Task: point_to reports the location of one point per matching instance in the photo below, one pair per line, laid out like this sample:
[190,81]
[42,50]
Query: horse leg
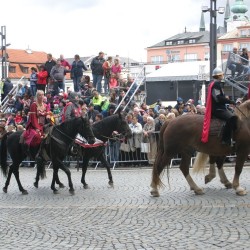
[55,174]
[85,163]
[223,177]
[212,172]
[16,173]
[57,162]
[161,161]
[103,160]
[5,188]
[184,167]
[61,185]
[240,159]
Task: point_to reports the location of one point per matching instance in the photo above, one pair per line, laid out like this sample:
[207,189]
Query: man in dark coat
[7,87]
[97,71]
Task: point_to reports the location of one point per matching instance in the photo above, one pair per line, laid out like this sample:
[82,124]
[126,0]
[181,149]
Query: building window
[243,33]
[191,41]
[207,56]
[25,70]
[12,69]
[157,59]
[245,45]
[228,47]
[176,57]
[190,57]
[168,43]
[180,42]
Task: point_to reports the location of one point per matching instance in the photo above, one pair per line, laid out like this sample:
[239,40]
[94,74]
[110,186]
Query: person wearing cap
[71,109]
[97,71]
[216,107]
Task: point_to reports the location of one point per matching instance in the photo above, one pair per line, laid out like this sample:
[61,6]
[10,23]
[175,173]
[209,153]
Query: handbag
[125,147]
[145,147]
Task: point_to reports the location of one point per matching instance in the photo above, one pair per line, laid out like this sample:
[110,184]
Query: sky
[85,27]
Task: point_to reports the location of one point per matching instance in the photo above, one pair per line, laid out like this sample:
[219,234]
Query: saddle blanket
[83,142]
[216,127]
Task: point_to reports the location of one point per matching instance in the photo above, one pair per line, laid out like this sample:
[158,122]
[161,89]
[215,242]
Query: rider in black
[219,109]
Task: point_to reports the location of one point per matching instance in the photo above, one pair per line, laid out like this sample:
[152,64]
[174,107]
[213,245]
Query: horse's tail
[200,162]
[41,170]
[160,161]
[3,155]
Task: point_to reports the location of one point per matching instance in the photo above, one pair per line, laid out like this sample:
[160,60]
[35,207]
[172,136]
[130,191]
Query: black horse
[103,131]
[55,147]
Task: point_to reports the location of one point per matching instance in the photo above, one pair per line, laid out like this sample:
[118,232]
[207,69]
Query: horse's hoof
[35,184]
[199,191]
[72,191]
[155,193]
[86,186]
[228,185]
[111,184]
[5,190]
[61,185]
[241,191]
[24,192]
[55,192]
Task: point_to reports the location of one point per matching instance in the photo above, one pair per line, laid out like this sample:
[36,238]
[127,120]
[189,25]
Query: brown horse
[183,136]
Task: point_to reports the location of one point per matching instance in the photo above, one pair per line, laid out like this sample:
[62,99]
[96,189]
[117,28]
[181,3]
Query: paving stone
[126,216]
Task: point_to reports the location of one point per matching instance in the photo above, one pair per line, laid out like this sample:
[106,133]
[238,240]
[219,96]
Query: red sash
[208,113]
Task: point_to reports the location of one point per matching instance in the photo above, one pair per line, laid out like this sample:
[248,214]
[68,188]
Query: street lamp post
[213,32]
[213,36]
[3,51]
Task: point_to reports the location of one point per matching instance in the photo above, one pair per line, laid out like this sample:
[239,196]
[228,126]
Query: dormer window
[24,69]
[180,42]
[243,33]
[169,43]
[191,41]
[12,69]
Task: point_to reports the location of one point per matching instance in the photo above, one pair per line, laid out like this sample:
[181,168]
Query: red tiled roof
[21,56]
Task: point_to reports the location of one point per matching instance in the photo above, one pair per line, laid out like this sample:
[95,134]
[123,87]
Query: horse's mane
[243,110]
[105,122]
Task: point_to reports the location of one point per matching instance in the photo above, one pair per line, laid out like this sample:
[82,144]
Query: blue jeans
[76,81]
[97,82]
[106,85]
[33,90]
[114,150]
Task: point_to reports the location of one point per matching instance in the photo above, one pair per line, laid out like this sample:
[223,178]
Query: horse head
[243,110]
[86,131]
[123,127]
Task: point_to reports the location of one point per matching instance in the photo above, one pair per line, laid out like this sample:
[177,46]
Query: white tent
[181,71]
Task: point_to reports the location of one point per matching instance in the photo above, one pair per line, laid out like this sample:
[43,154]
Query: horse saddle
[216,127]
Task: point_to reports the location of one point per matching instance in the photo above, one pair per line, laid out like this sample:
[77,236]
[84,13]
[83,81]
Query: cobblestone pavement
[126,216]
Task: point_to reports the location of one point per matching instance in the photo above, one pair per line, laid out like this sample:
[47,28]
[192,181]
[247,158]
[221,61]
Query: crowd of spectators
[145,121]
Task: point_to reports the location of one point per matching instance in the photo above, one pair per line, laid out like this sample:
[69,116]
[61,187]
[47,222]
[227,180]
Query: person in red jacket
[42,78]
